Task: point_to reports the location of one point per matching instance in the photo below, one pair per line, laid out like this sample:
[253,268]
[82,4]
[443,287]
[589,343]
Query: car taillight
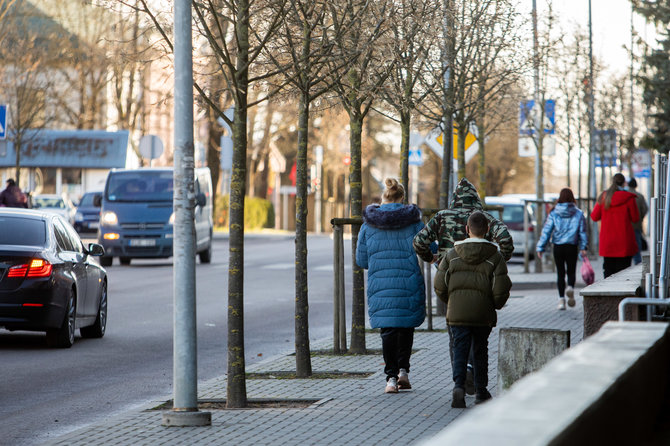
[39,268]
[36,268]
[531,228]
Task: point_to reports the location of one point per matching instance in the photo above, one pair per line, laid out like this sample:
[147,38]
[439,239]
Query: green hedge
[258,213]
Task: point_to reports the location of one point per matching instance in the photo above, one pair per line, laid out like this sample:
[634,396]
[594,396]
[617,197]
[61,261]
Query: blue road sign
[3,121]
[606,161]
[528,117]
[415,158]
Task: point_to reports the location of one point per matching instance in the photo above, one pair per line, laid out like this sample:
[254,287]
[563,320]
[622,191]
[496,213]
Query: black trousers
[467,339]
[565,257]
[397,348]
[613,265]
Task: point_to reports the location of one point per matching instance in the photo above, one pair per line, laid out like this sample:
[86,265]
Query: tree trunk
[539,188]
[17,167]
[213,152]
[302,354]
[356,210]
[482,159]
[460,149]
[405,121]
[236,385]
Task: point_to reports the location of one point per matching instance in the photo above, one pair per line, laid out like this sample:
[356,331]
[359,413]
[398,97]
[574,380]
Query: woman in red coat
[617,210]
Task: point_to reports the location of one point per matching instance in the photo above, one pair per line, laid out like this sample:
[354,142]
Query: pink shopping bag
[588,274]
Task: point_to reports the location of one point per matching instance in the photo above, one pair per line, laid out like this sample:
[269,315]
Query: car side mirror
[95,249]
[97,201]
[201,199]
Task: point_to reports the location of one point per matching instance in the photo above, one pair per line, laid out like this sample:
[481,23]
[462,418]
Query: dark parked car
[87,218]
[48,280]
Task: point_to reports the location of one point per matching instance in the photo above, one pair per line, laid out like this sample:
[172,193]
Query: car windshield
[22,231]
[140,186]
[512,214]
[87,200]
[47,202]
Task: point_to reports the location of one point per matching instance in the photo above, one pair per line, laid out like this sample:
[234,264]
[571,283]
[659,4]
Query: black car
[87,218]
[48,280]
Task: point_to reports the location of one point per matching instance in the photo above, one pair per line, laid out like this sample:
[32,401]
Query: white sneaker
[570,292]
[561,303]
[391,386]
[403,380]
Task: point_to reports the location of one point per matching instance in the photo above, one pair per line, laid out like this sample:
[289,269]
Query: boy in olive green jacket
[472,280]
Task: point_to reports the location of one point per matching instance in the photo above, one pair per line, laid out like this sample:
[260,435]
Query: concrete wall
[524,350]
[609,389]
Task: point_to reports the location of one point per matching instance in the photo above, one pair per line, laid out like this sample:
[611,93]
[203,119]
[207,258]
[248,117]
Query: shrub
[258,213]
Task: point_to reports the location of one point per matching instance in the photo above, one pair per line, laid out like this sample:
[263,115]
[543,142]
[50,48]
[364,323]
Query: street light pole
[185,404]
[592,154]
[538,137]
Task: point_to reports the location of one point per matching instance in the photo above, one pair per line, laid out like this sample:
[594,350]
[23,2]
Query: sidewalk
[348,411]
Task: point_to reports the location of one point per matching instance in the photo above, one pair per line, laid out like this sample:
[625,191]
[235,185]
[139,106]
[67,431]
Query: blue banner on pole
[3,121]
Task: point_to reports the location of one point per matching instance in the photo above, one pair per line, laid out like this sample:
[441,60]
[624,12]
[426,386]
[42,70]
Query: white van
[512,216]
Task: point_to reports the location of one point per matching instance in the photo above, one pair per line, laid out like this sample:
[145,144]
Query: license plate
[142,242]
[93,224]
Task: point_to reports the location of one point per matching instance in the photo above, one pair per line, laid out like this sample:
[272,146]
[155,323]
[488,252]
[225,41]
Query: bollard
[429,294]
[342,309]
[337,272]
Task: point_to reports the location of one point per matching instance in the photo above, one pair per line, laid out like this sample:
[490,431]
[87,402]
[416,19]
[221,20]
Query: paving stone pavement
[348,411]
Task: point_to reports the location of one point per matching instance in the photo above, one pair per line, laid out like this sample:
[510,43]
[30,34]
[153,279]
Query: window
[75,241]
[22,231]
[62,237]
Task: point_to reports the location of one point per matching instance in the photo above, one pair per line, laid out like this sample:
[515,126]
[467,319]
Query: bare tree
[304,53]
[235,33]
[571,71]
[357,91]
[33,46]
[411,39]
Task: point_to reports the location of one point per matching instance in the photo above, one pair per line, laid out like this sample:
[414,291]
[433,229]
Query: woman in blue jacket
[396,294]
[566,226]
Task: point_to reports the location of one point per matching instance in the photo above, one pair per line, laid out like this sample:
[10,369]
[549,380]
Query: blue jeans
[464,337]
[637,258]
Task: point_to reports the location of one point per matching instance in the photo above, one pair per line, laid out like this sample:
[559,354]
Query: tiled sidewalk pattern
[352,411]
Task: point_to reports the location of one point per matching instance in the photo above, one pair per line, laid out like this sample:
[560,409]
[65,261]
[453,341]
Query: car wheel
[206,255]
[124,260]
[106,260]
[97,330]
[63,337]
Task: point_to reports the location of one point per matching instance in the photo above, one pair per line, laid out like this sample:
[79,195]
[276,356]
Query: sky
[611,26]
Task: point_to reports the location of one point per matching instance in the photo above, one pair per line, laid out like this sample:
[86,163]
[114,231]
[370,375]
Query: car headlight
[171,220]
[78,216]
[109,218]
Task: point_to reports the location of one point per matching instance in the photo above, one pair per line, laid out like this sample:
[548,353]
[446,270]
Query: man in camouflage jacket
[448,226]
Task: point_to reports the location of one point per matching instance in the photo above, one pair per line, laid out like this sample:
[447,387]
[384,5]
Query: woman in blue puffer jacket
[396,293]
[566,226]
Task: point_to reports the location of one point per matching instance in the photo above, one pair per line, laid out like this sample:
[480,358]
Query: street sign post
[606,148]
[415,158]
[529,115]
[3,121]
[641,163]
[151,146]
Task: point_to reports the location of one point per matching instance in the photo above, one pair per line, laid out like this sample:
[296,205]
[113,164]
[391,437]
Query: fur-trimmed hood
[391,215]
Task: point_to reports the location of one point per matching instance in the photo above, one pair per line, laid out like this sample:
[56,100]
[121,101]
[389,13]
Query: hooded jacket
[472,280]
[396,290]
[448,226]
[565,225]
[617,238]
